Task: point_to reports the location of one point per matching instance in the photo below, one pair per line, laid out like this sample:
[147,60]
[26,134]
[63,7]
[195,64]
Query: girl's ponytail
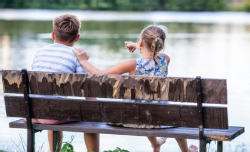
[154,37]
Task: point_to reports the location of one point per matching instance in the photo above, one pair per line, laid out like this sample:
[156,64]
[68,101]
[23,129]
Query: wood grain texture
[117,86]
[119,112]
[102,128]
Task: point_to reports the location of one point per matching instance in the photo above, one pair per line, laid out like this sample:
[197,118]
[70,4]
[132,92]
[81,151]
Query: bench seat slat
[117,86]
[120,112]
[98,127]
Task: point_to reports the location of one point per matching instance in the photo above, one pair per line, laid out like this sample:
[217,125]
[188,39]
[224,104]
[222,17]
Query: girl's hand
[131,46]
[81,54]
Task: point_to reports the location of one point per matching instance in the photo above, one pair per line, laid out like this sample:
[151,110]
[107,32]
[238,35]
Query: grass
[117,150]
[67,146]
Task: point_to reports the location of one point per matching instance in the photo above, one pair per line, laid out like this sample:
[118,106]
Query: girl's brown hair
[154,37]
[66,27]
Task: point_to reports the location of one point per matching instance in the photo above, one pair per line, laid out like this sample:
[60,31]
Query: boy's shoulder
[46,46]
[56,47]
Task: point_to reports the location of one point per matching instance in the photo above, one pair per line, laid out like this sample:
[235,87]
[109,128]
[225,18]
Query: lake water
[210,45]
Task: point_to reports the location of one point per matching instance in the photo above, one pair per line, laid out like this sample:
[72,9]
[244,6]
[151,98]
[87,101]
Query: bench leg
[203,147]
[55,140]
[30,140]
[220,146]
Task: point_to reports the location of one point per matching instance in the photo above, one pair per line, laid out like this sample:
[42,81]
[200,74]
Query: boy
[58,57]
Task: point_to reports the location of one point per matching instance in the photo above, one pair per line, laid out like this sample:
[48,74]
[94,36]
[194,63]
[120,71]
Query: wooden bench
[196,110]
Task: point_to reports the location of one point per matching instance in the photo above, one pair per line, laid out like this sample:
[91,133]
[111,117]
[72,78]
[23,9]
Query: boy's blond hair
[66,27]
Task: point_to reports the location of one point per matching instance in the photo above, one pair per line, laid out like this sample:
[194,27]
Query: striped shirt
[57,58]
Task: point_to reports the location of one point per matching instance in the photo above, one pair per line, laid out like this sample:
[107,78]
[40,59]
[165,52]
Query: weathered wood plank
[97,127]
[12,81]
[120,112]
[117,86]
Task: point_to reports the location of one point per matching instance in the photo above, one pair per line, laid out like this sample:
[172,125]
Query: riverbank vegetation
[129,5]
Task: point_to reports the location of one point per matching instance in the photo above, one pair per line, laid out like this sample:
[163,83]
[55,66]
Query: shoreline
[155,16]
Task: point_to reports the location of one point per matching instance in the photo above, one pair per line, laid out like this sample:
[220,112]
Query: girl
[151,42]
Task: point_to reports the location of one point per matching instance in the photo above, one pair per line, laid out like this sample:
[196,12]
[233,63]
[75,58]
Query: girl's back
[148,67]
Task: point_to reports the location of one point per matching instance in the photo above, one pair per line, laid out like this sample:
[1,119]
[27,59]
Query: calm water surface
[209,50]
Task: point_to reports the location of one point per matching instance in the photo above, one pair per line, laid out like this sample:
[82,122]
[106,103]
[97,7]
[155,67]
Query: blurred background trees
[131,5]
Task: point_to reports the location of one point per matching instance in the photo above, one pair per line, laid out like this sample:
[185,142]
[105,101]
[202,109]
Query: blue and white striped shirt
[57,58]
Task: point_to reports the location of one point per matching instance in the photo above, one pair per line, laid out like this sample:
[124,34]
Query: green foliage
[67,146]
[22,149]
[104,6]
[246,8]
[117,150]
[138,5]
[121,5]
[246,5]
[194,5]
[23,145]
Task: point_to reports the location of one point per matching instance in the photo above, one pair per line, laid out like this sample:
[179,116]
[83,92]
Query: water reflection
[5,51]
[207,50]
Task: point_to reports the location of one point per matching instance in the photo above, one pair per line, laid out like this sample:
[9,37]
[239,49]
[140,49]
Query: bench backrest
[212,92]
